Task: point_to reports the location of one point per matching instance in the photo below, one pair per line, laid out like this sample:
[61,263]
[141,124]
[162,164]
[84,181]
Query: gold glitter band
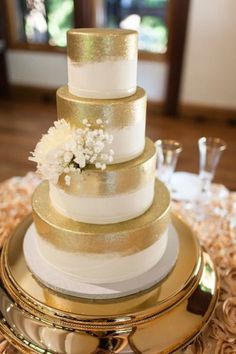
[117,113]
[101,44]
[127,237]
[115,179]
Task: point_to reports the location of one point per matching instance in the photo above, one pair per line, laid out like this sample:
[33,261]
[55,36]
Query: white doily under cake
[68,284]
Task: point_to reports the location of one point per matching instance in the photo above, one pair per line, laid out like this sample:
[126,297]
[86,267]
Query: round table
[217,234]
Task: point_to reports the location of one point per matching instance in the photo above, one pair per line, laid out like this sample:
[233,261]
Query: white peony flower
[49,152]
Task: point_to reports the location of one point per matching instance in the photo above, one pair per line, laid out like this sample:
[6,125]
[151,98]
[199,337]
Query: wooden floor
[23,121]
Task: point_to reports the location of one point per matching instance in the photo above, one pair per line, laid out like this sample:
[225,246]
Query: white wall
[50,70]
[152,76]
[209,76]
[36,68]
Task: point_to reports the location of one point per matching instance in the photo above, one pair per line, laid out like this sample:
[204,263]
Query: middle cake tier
[124,119]
[118,193]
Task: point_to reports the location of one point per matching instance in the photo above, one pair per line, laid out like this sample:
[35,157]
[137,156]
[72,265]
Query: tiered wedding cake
[100,217]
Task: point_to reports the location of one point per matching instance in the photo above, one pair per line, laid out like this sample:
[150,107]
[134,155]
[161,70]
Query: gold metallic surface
[90,45]
[162,320]
[17,279]
[127,237]
[115,113]
[118,178]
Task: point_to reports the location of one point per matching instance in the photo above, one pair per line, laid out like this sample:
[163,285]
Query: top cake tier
[102,62]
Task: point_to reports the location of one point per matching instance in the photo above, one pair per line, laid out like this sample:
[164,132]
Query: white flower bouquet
[66,149]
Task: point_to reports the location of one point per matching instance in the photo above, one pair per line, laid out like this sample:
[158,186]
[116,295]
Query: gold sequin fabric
[217,234]
[15,202]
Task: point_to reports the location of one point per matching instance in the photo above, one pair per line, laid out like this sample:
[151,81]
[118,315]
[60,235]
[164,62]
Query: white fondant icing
[57,280]
[128,142]
[103,267]
[103,210]
[110,79]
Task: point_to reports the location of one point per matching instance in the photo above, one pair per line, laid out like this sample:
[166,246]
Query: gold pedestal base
[161,320]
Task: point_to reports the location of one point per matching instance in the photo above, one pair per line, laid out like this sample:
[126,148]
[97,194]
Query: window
[42,24]
[147,16]
[42,21]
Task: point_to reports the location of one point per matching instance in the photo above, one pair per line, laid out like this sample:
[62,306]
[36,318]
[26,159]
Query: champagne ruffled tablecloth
[217,234]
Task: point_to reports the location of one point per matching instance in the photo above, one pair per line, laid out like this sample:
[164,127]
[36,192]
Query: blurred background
[187,65]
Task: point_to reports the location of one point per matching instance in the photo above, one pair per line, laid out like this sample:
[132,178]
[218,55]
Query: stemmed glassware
[210,150]
[167,156]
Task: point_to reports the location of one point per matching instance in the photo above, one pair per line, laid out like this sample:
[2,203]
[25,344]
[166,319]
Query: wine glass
[210,150]
[167,156]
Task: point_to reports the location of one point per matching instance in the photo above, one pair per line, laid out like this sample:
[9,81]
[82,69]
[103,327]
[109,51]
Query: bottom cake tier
[68,284]
[100,253]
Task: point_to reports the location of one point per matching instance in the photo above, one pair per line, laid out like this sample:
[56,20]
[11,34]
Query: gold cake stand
[163,319]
